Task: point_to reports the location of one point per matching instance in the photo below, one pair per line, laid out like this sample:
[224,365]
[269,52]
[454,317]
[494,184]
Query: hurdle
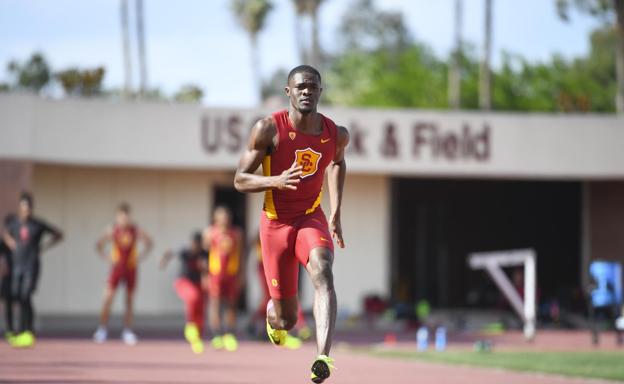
[493,262]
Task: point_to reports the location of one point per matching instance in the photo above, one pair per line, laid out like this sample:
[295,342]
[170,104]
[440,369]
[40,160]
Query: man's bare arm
[260,143]
[336,173]
[147,244]
[101,242]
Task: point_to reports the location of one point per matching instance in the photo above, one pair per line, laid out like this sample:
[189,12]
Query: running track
[171,361]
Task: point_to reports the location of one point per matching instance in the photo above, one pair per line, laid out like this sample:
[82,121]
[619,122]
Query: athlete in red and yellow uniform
[124,257]
[225,276]
[295,148]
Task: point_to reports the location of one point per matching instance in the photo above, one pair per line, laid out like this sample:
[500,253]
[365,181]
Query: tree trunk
[619,56]
[316,46]
[485,87]
[454,78]
[141,46]
[301,49]
[256,73]
[126,48]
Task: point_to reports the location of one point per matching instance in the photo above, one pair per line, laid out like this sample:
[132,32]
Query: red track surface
[81,361]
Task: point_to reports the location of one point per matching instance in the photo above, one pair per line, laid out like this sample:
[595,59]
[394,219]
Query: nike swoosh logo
[324,239]
[323,141]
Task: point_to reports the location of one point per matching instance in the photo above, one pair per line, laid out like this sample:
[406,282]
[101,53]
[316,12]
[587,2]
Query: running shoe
[277,336]
[192,335]
[321,368]
[24,340]
[217,342]
[100,335]
[229,342]
[129,337]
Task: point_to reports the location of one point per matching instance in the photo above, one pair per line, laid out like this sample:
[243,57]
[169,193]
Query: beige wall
[82,201]
[168,204]
[15,177]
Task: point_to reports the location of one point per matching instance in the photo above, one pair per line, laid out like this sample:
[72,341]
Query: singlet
[313,153]
[124,252]
[224,257]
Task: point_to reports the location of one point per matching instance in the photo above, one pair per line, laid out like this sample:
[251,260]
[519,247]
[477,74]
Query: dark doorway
[437,223]
[237,203]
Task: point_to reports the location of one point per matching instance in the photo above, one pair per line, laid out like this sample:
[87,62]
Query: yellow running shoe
[292,342]
[230,342]
[197,347]
[277,336]
[217,342]
[24,340]
[191,333]
[321,368]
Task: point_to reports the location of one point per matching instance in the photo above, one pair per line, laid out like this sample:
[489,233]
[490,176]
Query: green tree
[189,94]
[579,85]
[33,75]
[85,82]
[608,10]
[366,28]
[252,15]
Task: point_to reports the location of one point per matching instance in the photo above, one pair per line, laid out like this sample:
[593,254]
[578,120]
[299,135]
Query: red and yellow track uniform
[124,257]
[224,263]
[292,222]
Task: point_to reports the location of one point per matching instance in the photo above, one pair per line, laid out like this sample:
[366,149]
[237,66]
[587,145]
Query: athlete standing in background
[224,243]
[124,257]
[23,235]
[190,289]
[295,147]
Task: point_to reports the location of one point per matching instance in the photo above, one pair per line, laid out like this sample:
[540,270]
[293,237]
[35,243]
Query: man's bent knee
[320,268]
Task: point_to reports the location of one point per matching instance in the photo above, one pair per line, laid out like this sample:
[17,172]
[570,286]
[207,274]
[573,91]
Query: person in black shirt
[24,235]
[190,288]
[5,286]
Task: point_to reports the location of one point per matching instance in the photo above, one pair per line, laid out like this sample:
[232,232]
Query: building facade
[423,190]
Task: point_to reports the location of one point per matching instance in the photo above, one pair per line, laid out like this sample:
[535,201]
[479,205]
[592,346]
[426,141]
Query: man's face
[122,218]
[222,217]
[24,209]
[196,245]
[304,90]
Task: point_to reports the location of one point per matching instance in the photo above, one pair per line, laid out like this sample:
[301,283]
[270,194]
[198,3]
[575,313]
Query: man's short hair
[27,197]
[124,207]
[197,237]
[304,69]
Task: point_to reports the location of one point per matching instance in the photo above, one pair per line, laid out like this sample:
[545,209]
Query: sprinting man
[295,147]
[225,276]
[124,235]
[24,235]
[189,287]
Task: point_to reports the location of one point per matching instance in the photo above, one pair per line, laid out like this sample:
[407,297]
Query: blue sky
[198,41]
